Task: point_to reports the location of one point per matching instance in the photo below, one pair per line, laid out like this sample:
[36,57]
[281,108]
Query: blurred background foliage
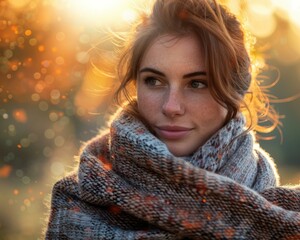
[52,99]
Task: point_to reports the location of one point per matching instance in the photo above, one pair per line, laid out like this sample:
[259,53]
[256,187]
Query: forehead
[170,49]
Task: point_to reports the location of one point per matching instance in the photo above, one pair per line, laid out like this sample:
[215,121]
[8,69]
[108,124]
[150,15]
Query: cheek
[211,112]
[148,103]
[215,110]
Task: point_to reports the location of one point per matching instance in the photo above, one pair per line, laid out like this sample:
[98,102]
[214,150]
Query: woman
[179,160]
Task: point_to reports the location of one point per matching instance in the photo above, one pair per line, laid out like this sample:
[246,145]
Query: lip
[172,132]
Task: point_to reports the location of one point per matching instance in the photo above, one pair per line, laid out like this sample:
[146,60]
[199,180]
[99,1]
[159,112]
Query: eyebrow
[188,75]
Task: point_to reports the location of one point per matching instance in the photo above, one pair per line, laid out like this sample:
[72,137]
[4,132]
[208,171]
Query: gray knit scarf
[129,186]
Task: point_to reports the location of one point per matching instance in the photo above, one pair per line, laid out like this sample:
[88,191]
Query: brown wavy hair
[227,60]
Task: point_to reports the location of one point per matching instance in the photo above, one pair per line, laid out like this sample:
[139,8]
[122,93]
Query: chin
[177,152]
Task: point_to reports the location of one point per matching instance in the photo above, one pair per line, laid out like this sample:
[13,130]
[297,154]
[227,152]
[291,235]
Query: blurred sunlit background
[52,99]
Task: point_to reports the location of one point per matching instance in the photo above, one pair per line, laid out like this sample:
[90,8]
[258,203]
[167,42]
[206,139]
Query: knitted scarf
[129,186]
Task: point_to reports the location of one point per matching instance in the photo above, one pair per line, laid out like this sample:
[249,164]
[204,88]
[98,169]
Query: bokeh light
[52,98]
[261,19]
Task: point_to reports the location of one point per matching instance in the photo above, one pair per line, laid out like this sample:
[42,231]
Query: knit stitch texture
[129,186]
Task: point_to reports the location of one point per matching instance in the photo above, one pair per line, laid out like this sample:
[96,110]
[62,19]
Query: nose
[173,105]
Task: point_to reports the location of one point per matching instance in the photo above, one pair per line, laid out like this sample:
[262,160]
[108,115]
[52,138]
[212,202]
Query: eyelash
[152,81]
[203,83]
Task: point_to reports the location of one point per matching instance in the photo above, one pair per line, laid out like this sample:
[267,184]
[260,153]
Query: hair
[227,60]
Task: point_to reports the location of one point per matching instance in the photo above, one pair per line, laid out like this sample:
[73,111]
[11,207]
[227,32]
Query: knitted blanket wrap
[129,186]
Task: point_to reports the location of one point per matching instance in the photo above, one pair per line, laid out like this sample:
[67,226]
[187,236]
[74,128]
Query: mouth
[172,132]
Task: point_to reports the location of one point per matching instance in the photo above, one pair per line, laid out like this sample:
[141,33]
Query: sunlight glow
[295,12]
[18,3]
[234,6]
[288,9]
[97,11]
[129,15]
[260,14]
[263,7]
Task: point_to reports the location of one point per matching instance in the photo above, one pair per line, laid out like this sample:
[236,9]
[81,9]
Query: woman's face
[173,95]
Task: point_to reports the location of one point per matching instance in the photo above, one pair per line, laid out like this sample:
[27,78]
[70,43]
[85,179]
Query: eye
[198,84]
[152,81]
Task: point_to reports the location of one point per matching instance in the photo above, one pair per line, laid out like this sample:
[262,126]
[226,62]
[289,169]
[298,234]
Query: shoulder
[267,175]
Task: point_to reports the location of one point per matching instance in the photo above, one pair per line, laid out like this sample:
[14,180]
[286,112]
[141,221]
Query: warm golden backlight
[101,12]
